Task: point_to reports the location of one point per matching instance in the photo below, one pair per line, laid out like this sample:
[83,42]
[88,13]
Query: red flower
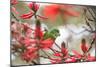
[80,56]
[33,6]
[64,51]
[27,15]
[26,27]
[13,9]
[28,33]
[62,59]
[14,29]
[14,2]
[51,11]
[30,54]
[84,46]
[38,33]
[55,60]
[28,41]
[58,54]
[45,44]
[91,58]
[62,56]
[71,60]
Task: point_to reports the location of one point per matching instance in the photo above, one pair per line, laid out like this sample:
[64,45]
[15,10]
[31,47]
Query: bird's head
[55,32]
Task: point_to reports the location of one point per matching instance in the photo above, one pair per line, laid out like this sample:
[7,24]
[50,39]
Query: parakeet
[53,34]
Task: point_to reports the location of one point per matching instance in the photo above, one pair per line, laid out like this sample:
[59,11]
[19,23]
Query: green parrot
[53,34]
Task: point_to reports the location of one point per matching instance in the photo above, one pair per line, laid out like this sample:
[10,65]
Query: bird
[53,34]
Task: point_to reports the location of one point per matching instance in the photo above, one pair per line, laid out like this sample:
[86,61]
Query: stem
[53,50]
[57,45]
[86,18]
[88,23]
[45,57]
[88,30]
[91,45]
[38,41]
[15,17]
[45,53]
[42,17]
[92,31]
[90,13]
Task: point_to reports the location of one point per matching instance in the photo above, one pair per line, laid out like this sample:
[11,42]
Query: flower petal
[91,58]
[13,9]
[51,11]
[47,43]
[58,54]
[71,60]
[33,6]
[28,41]
[78,55]
[27,15]
[14,2]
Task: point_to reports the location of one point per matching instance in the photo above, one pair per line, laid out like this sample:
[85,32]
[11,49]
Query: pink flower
[13,9]
[62,56]
[27,15]
[30,54]
[28,33]
[45,44]
[14,2]
[38,33]
[55,60]
[62,59]
[71,60]
[84,46]
[58,54]
[28,41]
[33,6]
[26,27]
[87,58]
[91,58]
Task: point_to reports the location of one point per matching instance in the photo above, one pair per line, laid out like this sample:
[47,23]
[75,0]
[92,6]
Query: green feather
[53,34]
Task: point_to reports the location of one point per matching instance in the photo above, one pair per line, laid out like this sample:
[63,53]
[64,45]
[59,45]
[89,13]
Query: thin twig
[15,17]
[57,45]
[88,30]
[53,50]
[91,45]
[90,12]
[45,53]
[45,57]
[88,23]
